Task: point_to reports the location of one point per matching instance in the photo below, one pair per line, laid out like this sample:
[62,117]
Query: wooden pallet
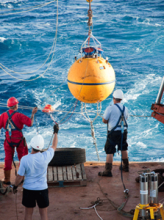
[66,176]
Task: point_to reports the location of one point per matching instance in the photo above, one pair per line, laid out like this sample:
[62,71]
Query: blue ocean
[38,43]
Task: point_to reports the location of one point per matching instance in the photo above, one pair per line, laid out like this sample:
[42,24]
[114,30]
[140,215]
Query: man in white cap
[115,117]
[34,168]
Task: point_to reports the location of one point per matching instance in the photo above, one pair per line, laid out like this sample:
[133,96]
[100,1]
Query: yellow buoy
[91,80]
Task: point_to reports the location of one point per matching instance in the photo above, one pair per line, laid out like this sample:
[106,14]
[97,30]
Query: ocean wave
[2,39]
[141,145]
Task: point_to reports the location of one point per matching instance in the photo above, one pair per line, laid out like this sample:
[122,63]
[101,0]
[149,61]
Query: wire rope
[52,48]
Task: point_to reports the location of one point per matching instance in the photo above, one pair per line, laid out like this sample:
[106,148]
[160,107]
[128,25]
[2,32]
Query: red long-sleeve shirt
[19,119]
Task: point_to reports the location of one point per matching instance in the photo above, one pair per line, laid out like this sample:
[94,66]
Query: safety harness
[11,126]
[120,120]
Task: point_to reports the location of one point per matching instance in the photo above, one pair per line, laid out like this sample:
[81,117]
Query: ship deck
[65,202]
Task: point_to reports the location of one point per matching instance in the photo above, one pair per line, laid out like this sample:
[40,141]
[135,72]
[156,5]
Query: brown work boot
[125,165]
[107,171]
[7,177]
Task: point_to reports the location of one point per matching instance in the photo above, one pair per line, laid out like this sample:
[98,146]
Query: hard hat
[12,101]
[118,94]
[37,142]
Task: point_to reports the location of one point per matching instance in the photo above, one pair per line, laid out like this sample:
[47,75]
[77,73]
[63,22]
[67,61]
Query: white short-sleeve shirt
[112,114]
[34,168]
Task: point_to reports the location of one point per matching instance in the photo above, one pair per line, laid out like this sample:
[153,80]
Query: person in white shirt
[115,117]
[34,168]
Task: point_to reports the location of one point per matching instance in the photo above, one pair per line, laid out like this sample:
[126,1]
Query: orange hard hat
[12,101]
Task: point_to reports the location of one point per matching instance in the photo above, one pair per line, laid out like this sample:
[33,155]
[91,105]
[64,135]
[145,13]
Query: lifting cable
[52,49]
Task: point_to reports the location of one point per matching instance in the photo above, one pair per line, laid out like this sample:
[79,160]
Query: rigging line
[76,100]
[24,79]
[143,116]
[82,113]
[21,107]
[36,125]
[75,103]
[92,128]
[32,9]
[53,47]
[65,115]
[50,141]
[30,108]
[43,72]
[94,206]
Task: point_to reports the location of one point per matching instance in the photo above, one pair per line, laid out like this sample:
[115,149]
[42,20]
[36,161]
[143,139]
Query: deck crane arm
[158,108]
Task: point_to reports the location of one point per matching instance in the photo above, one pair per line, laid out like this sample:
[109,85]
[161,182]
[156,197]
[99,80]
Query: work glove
[15,189]
[56,128]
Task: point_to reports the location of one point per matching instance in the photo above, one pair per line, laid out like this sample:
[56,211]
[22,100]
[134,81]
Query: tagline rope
[69,112]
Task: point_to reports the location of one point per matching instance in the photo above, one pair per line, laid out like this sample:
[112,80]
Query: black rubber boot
[6,180]
[125,165]
[107,172]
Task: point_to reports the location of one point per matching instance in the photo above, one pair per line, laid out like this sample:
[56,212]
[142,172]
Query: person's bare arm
[18,180]
[34,111]
[104,121]
[55,141]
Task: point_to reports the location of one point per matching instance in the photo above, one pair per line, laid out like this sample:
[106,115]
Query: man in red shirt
[13,121]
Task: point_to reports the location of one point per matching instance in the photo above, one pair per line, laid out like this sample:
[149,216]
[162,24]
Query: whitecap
[2,39]
[141,145]
[157,160]
[158,25]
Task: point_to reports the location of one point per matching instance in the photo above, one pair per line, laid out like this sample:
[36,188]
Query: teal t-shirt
[34,168]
